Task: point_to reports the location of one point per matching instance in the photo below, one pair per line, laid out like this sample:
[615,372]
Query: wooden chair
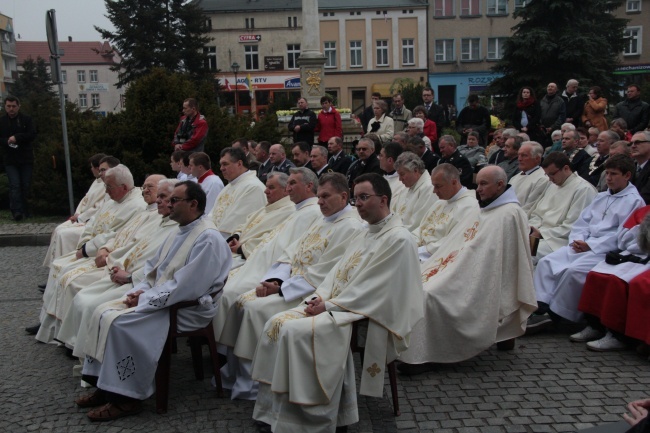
[534,243]
[164,364]
[390,367]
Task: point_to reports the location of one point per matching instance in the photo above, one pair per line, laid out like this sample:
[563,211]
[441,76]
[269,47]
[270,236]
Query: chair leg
[197,357]
[214,357]
[392,377]
[162,377]
[506,345]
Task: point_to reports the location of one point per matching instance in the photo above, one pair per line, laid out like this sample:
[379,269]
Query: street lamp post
[235,69]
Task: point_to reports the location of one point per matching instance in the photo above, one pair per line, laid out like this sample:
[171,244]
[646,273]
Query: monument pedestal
[312,79]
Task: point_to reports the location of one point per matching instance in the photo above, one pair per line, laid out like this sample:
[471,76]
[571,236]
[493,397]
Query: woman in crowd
[430,128]
[594,112]
[528,114]
[381,124]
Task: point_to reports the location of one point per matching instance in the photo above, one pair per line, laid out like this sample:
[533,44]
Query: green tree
[156,33]
[561,39]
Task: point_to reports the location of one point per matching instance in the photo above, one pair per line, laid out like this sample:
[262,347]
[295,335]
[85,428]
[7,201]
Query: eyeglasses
[553,174]
[175,200]
[637,142]
[361,198]
[108,187]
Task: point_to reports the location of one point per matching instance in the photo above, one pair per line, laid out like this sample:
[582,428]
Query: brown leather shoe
[111,411]
[97,398]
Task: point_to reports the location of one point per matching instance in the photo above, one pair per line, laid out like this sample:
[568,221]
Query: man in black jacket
[640,145]
[580,159]
[17,135]
[302,123]
[633,110]
[574,102]
[367,162]
[435,112]
[450,154]
[339,161]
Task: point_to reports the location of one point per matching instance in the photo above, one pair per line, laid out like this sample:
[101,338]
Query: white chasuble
[397,188]
[529,187]
[123,348]
[478,286]
[270,249]
[442,218]
[259,224]
[305,359]
[557,210]
[415,202]
[66,235]
[236,201]
[95,286]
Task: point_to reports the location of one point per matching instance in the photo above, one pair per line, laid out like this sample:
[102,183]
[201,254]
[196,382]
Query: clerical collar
[376,228]
[187,227]
[206,174]
[508,196]
[391,174]
[332,218]
[238,178]
[127,195]
[619,191]
[457,195]
[152,207]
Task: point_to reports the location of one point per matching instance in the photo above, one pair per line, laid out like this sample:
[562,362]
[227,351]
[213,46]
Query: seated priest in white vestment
[126,339]
[530,182]
[66,235]
[456,202]
[201,168]
[301,187]
[294,276]
[72,277]
[248,236]
[478,286]
[125,202]
[123,270]
[387,157]
[243,195]
[418,198]
[567,194]
[560,276]
[303,360]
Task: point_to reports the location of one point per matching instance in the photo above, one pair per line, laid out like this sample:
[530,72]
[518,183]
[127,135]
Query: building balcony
[9,49]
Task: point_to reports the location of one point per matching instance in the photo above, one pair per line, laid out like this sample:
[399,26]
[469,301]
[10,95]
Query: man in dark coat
[339,161]
[575,102]
[450,154]
[302,123]
[17,135]
[367,162]
[474,117]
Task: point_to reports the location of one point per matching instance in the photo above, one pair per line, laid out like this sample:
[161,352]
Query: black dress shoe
[33,330]
[413,369]
[18,217]
[42,286]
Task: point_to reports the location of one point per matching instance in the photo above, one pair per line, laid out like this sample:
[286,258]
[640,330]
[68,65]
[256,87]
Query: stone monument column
[311,60]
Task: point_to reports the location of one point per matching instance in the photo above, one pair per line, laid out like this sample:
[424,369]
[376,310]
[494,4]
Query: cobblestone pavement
[26,234]
[547,384]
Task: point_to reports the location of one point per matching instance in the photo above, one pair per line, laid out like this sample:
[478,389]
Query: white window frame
[495,48]
[633,6]
[632,34]
[356,54]
[81,76]
[470,49]
[408,51]
[94,75]
[211,58]
[64,76]
[293,52]
[94,100]
[466,5]
[83,100]
[440,8]
[252,57]
[447,54]
[520,4]
[329,49]
[497,7]
[382,52]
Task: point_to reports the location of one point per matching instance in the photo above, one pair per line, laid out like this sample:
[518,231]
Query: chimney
[69,38]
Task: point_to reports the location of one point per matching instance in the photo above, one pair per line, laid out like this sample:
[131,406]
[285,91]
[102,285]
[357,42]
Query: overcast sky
[74,18]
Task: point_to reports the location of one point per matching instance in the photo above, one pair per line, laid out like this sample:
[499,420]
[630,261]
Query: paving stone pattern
[547,384]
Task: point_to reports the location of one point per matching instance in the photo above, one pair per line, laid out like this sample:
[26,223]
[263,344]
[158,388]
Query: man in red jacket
[329,122]
[192,129]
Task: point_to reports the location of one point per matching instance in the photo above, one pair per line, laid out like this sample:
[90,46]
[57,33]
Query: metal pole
[236,95]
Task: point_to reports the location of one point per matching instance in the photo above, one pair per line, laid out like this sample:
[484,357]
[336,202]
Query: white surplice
[557,210]
[529,187]
[212,186]
[559,276]
[124,347]
[273,246]
[301,269]
[66,235]
[415,202]
[240,198]
[397,188]
[441,219]
[95,287]
[305,362]
[258,225]
[99,231]
[478,286]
